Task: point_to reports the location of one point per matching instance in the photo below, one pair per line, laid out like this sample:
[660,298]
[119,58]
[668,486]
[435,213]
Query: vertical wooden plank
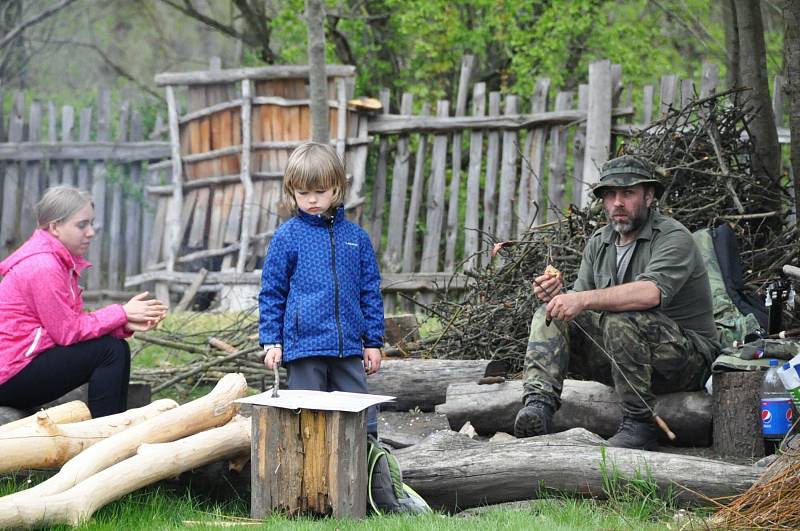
[379,188]
[598,125]
[247,181]
[777,100]
[9,233]
[358,167]
[84,135]
[472,215]
[467,65]
[558,160]
[31,191]
[148,217]
[579,148]
[708,85]
[117,244]
[415,201]
[347,486]
[490,182]
[53,167]
[2,115]
[133,205]
[429,262]
[99,186]
[394,239]
[508,173]
[275,440]
[341,116]
[176,205]
[67,124]
[669,88]
[647,105]
[687,92]
[530,195]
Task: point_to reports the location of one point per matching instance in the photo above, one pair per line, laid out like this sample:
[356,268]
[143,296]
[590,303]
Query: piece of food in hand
[552,272]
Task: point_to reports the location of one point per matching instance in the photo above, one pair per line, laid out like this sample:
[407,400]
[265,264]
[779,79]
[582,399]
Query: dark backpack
[386,491]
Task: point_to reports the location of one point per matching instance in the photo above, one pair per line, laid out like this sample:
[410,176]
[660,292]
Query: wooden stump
[737,414]
[314,462]
[402,328]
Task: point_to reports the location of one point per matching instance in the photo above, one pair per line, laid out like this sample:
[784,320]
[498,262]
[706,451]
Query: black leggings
[104,362]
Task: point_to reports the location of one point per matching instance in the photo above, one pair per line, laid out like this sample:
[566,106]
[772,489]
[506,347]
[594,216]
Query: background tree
[791,20]
[317,77]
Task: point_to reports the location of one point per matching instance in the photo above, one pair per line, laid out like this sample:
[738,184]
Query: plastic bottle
[776,408]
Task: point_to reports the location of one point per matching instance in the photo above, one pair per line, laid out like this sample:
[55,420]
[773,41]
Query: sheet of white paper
[319,400]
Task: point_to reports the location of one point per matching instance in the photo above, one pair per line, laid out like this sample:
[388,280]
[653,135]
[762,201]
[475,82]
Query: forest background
[65,50]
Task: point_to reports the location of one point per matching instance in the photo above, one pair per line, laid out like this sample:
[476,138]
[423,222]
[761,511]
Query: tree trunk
[74,411]
[317,78]
[209,411]
[731,42]
[737,414]
[753,74]
[584,404]
[421,383]
[45,444]
[452,471]
[791,46]
[151,463]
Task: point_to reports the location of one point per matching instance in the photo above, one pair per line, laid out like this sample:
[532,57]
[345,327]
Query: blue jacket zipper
[336,289]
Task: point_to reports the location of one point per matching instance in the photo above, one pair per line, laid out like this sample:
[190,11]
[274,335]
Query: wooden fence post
[53,167]
[467,65]
[115,224]
[379,187]
[531,183]
[598,125]
[133,206]
[558,161]
[247,181]
[31,189]
[397,206]
[579,148]
[67,123]
[490,182]
[429,261]
[508,174]
[176,206]
[472,221]
[99,186]
[9,230]
[415,202]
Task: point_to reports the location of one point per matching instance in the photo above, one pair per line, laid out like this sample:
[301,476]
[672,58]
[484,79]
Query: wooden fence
[101,151]
[438,185]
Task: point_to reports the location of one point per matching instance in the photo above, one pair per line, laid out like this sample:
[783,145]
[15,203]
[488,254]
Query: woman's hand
[141,326]
[272,357]
[140,310]
[372,360]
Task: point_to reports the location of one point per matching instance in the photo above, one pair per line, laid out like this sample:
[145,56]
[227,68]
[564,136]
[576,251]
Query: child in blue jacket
[320,305]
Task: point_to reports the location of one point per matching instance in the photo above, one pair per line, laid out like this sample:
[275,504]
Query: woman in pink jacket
[48,344]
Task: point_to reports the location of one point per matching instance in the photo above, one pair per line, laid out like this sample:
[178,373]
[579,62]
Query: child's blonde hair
[59,203]
[313,166]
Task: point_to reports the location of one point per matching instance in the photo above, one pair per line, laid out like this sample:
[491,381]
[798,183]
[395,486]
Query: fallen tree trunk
[46,444]
[454,472]
[152,463]
[584,404]
[75,411]
[421,383]
[210,411]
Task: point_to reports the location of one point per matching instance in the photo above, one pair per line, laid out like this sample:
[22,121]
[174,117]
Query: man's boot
[535,418]
[635,434]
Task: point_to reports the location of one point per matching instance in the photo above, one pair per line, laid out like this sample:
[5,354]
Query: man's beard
[634,223]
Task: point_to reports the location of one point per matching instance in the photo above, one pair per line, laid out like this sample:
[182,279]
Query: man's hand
[566,306]
[372,360]
[273,356]
[546,287]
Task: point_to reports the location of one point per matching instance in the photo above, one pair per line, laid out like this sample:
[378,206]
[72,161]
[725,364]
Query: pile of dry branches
[703,151]
[772,503]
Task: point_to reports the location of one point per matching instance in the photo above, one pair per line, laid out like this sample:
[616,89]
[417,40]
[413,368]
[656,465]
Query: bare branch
[11,35]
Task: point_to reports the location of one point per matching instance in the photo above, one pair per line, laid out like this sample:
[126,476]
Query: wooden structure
[76,147]
[444,184]
[737,414]
[314,462]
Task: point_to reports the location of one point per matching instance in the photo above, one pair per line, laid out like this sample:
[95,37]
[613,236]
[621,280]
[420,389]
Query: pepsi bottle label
[776,416]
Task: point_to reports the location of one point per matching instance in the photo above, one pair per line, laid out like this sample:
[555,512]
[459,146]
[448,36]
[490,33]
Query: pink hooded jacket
[41,304]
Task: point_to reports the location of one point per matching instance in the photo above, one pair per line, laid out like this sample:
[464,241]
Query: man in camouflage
[642,294]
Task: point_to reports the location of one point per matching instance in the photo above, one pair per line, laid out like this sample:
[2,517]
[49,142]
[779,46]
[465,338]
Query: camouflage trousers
[653,356]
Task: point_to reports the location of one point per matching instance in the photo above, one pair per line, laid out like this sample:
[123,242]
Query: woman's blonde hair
[313,166]
[59,203]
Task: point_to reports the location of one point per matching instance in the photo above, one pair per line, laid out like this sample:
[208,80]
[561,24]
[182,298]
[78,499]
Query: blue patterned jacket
[320,289]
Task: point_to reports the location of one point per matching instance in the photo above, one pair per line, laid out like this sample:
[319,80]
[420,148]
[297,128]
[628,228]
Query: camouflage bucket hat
[628,170]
